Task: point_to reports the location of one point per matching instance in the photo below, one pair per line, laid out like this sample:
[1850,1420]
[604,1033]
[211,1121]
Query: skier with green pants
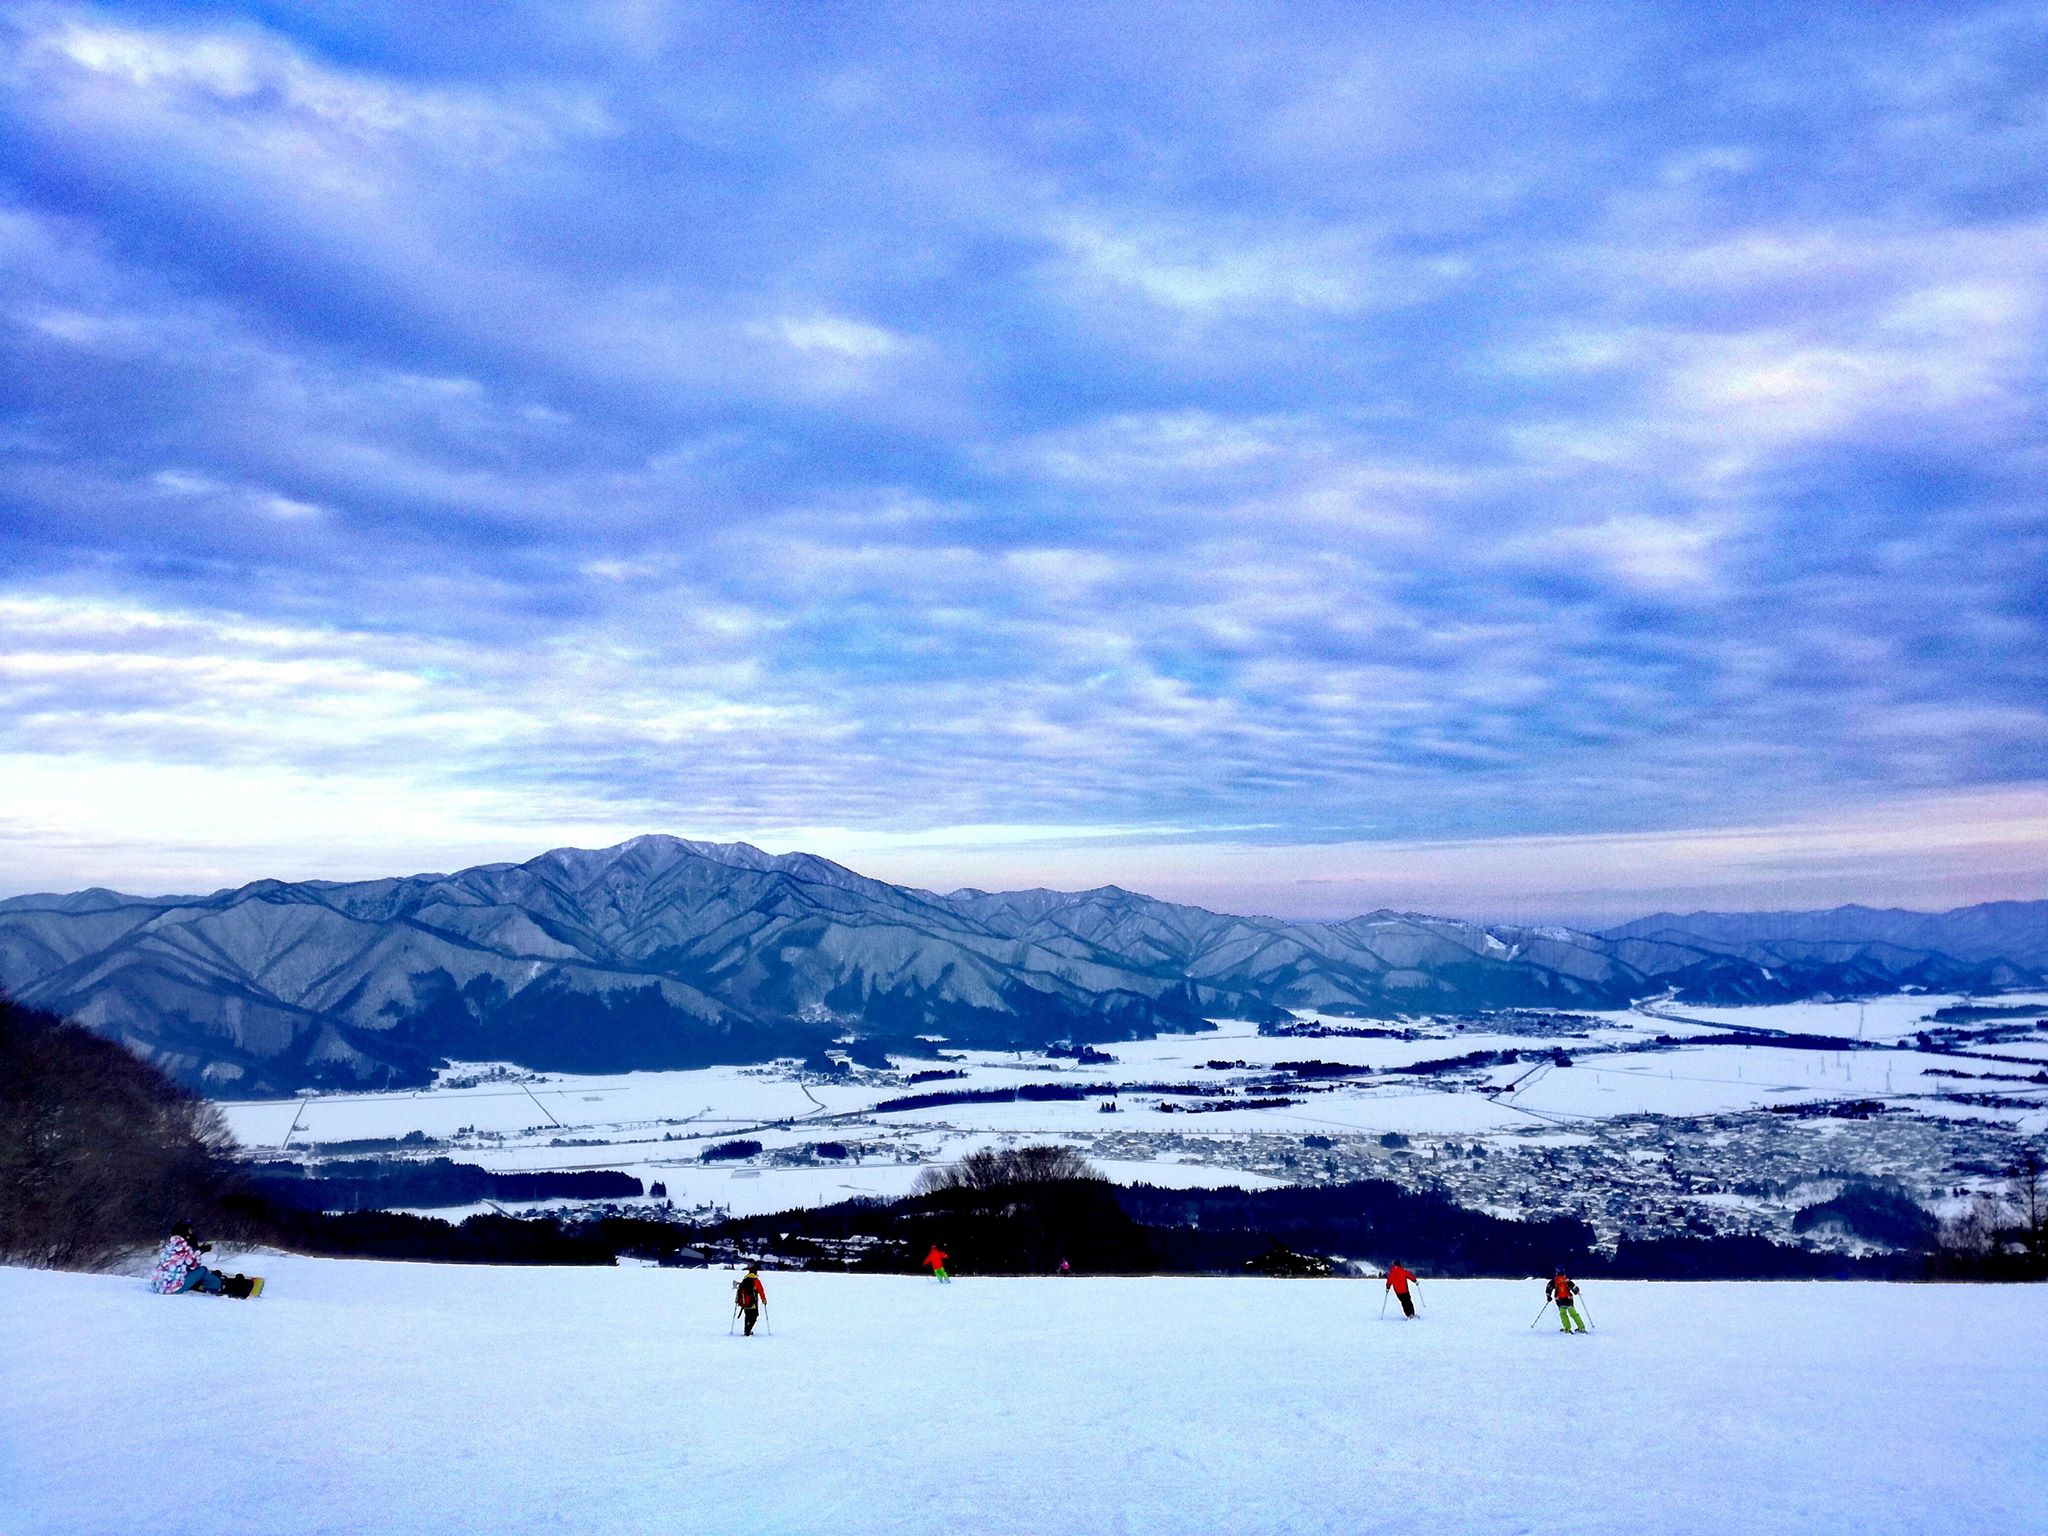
[1564,1292]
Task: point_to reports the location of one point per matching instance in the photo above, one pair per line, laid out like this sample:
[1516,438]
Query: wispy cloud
[1369,427]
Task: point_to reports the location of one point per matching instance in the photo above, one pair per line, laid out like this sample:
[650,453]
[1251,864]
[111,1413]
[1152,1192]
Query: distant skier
[1401,1281]
[935,1261]
[178,1269]
[749,1297]
[1563,1291]
[1065,1269]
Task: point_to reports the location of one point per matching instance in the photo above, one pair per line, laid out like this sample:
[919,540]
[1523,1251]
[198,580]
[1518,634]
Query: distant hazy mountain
[2014,931]
[662,952]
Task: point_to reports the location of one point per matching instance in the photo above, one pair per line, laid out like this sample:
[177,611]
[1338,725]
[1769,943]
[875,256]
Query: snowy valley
[1661,1121]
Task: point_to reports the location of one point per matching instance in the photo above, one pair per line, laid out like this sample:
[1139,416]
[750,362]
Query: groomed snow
[366,1397]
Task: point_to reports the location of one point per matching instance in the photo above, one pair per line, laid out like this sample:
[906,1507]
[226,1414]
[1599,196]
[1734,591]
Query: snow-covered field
[656,1125]
[360,1398]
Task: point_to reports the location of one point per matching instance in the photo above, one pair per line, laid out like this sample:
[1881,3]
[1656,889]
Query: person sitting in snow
[178,1268]
[1563,1290]
[1401,1280]
[750,1296]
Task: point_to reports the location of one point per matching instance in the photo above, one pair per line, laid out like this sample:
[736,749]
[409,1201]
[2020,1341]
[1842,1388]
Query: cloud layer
[1318,426]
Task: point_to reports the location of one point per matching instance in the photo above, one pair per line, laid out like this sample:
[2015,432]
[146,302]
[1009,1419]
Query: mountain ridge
[664,951]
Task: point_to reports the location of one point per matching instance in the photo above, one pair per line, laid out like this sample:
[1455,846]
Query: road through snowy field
[367,1397]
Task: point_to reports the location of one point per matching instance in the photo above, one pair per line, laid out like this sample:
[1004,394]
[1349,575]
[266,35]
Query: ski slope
[371,1397]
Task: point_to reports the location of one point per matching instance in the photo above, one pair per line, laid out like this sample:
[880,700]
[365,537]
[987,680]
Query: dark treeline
[1038,1092]
[1785,1041]
[479,1240]
[1098,1228]
[381,1183]
[1046,1093]
[1373,1220]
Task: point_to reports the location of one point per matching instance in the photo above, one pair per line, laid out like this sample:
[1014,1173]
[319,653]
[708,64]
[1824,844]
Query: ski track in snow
[360,1397]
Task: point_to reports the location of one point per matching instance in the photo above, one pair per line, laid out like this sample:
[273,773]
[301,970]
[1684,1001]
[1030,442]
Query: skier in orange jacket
[935,1261]
[1399,1280]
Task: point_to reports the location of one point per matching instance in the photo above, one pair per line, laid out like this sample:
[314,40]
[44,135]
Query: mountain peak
[653,854]
[649,853]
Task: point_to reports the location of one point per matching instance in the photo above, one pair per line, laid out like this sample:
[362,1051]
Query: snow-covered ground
[362,1398]
[657,1120]
[1877,1018]
[1950,1120]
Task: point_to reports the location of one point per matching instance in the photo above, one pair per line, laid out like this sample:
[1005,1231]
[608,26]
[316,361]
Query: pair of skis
[1420,1304]
[1578,1306]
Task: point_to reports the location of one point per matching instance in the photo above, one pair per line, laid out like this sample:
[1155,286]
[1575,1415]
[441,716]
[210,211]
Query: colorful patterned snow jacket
[174,1261]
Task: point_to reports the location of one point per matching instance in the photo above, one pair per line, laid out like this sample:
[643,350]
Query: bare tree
[99,1151]
[998,1167]
[2026,1196]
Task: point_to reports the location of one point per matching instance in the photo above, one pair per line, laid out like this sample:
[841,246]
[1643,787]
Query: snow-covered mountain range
[663,952]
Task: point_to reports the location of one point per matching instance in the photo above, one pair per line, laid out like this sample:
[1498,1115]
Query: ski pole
[1539,1314]
[1383,1304]
[1580,1303]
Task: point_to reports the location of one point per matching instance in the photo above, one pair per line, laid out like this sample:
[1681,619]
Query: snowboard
[244,1287]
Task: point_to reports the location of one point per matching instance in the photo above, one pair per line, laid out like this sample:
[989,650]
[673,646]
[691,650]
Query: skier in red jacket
[935,1261]
[1400,1280]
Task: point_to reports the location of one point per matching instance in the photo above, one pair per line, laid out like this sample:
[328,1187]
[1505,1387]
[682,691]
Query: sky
[1550,461]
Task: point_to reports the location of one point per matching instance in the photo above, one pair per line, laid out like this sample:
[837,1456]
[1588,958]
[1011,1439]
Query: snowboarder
[178,1269]
[935,1261]
[1400,1280]
[749,1297]
[1563,1291]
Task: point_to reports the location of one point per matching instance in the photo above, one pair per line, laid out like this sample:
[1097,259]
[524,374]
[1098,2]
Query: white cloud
[1663,554]
[1893,333]
[837,336]
[277,98]
[109,333]
[1932,852]
[1207,270]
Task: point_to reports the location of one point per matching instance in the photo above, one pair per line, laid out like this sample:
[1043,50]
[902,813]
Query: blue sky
[1299,458]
